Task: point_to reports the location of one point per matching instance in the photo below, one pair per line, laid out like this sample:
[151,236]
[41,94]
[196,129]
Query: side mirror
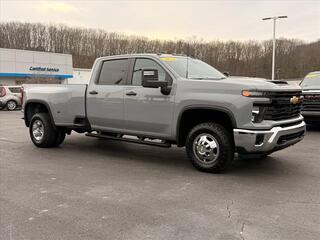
[150,79]
[227,74]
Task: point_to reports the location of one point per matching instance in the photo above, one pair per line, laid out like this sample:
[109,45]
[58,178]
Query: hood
[311,88]
[263,84]
[311,91]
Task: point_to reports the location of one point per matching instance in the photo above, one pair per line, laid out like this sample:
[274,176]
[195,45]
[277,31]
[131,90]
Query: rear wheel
[210,147]
[42,131]
[11,105]
[61,135]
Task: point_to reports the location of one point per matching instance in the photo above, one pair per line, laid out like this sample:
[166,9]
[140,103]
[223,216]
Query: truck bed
[66,102]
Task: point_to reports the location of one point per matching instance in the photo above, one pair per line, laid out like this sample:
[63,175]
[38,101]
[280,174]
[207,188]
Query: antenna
[187,70]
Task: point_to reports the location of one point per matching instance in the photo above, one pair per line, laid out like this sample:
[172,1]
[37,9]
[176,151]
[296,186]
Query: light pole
[274,40]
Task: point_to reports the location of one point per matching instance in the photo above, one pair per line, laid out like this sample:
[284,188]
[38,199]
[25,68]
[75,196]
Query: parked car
[10,97]
[311,92]
[175,99]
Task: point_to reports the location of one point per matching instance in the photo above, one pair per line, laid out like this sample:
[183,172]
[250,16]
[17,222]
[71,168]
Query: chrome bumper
[263,141]
[311,116]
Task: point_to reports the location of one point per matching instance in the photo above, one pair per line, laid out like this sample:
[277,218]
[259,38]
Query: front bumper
[267,141]
[2,105]
[311,116]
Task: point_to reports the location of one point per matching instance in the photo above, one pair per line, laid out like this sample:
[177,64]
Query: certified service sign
[44,69]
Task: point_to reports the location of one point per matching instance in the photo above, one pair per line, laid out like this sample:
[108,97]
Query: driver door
[147,111]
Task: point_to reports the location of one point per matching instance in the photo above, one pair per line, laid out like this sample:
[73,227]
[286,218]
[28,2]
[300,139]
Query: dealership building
[20,66]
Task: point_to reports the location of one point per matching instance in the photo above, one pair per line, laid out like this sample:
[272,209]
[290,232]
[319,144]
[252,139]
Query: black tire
[61,135]
[11,105]
[223,140]
[49,136]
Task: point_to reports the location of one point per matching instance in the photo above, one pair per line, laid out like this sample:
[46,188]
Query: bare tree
[295,58]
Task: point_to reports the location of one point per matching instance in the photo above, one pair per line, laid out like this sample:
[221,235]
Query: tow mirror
[150,79]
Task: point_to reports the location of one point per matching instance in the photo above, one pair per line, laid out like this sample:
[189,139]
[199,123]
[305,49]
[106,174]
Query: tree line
[294,58]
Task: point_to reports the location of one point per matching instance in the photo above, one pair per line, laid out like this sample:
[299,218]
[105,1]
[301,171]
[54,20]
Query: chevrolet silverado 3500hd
[162,100]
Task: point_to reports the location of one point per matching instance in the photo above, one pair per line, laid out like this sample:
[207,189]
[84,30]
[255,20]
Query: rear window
[2,91]
[113,72]
[15,89]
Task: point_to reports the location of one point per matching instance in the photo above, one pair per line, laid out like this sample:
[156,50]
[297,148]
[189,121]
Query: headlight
[257,114]
[252,93]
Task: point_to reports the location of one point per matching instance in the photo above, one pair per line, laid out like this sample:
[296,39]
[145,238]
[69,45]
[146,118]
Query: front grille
[311,102]
[281,107]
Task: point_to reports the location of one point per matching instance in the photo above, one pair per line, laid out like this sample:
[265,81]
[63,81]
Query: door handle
[93,92]
[131,93]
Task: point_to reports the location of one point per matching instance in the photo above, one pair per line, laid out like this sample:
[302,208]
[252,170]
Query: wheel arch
[193,115]
[32,107]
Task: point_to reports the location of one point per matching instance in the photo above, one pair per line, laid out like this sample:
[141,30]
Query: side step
[139,141]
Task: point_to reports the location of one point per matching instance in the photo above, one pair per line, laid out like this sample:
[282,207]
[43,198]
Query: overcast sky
[209,20]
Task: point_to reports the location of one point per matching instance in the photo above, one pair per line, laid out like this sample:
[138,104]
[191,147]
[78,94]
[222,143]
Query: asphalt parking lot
[99,189]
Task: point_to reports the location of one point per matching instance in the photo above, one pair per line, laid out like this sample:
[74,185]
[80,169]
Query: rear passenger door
[147,111]
[105,109]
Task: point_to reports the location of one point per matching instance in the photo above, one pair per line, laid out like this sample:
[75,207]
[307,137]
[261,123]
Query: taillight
[21,90]
[2,92]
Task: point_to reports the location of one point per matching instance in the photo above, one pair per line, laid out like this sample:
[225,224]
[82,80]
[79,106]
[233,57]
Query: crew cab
[311,92]
[165,100]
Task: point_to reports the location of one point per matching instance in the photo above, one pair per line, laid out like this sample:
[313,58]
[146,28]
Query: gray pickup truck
[161,100]
[311,102]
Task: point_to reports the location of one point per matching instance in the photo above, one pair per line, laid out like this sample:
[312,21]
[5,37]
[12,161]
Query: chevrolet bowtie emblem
[295,100]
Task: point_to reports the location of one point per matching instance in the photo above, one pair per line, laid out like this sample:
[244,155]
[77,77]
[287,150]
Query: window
[311,80]
[15,89]
[192,68]
[2,91]
[113,72]
[144,63]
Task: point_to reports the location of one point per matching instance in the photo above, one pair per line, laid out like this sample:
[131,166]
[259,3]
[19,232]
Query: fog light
[257,114]
[259,139]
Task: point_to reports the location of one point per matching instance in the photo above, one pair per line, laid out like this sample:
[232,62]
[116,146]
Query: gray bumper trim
[311,113]
[246,139]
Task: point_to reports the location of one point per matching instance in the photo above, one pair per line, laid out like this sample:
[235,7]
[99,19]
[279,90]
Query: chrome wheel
[11,105]
[37,130]
[206,148]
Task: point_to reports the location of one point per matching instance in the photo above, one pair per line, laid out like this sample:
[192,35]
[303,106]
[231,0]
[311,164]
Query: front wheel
[11,105]
[210,147]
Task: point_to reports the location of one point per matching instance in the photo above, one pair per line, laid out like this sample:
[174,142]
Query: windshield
[191,68]
[311,80]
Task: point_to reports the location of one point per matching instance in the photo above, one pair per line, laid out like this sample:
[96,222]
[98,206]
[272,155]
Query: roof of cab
[12,86]
[157,55]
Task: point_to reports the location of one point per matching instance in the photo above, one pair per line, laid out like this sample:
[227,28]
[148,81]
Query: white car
[10,97]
